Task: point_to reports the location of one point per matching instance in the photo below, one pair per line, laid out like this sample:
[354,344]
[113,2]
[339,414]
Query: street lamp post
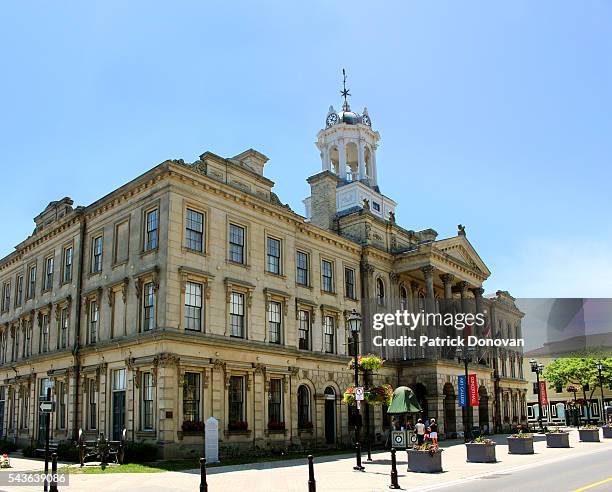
[465,356]
[603,405]
[538,369]
[354,321]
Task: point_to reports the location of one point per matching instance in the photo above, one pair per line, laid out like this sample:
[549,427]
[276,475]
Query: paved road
[592,473]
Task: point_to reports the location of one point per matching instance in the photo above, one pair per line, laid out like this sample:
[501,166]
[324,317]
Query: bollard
[53,487]
[312,484]
[203,484]
[394,482]
[359,466]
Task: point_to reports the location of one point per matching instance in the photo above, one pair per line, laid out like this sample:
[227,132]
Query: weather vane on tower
[344,92]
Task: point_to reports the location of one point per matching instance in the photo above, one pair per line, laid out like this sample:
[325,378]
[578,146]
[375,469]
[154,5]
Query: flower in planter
[193,426]
[238,426]
[273,425]
[572,389]
[523,435]
[590,427]
[427,448]
[556,430]
[482,440]
[5,462]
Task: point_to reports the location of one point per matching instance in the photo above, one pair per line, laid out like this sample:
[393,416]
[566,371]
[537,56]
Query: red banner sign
[473,383]
[543,395]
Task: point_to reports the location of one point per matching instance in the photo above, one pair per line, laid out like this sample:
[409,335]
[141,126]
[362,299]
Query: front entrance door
[118,414]
[330,415]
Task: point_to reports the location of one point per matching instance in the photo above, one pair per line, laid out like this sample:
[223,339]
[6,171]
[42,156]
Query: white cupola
[347,147]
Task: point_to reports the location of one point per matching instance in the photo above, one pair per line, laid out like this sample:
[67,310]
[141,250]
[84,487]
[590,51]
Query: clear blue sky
[496,116]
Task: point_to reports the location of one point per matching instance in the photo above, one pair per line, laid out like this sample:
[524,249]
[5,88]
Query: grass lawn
[190,464]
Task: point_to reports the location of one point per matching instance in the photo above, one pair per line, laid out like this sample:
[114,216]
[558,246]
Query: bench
[101,448]
[53,445]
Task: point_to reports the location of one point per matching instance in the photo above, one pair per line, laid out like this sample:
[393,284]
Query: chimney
[323,199]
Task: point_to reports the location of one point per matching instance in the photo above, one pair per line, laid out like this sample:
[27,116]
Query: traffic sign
[47,406]
[359,394]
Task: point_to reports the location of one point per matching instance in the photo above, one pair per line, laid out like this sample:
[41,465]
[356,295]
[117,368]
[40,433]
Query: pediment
[460,249]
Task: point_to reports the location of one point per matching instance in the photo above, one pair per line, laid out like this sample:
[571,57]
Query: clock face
[332,119]
[366,120]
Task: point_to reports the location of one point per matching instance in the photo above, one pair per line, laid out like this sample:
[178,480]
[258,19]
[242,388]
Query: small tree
[580,371]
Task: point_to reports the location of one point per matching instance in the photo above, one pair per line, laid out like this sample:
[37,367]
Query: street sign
[398,439]
[47,406]
[359,395]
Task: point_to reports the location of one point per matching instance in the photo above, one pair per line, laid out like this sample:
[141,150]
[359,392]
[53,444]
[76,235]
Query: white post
[211,440]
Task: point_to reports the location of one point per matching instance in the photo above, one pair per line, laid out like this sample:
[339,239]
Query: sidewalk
[335,473]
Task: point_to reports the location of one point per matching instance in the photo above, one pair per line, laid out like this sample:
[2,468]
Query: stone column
[361,160]
[478,292]
[430,307]
[341,159]
[373,179]
[447,280]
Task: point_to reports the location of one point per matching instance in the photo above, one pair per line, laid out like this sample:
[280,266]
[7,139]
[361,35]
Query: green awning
[404,401]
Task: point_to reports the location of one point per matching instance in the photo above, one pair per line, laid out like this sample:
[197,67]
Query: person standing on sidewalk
[420,431]
[433,432]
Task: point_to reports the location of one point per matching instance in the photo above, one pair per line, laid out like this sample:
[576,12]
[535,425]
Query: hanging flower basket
[368,362]
[572,389]
[378,395]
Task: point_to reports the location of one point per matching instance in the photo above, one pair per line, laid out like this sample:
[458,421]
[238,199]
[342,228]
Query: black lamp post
[603,405]
[538,369]
[465,356]
[354,321]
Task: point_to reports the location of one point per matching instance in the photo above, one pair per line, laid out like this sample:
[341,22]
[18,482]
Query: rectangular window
[328,333]
[193,306]
[148,307]
[6,296]
[25,406]
[304,329]
[27,339]
[92,400]
[237,315]
[274,321]
[349,283]
[19,291]
[273,263]
[67,277]
[327,276]
[194,230]
[96,255]
[303,268]
[151,230]
[147,401]
[94,315]
[119,380]
[61,405]
[191,397]
[31,282]
[48,274]
[275,400]
[44,334]
[63,335]
[121,242]
[236,244]
[236,399]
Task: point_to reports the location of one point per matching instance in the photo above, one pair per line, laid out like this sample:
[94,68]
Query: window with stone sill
[191,397]
[237,244]
[151,238]
[327,276]
[67,267]
[302,268]
[237,314]
[194,230]
[304,329]
[146,402]
[274,321]
[236,397]
[96,255]
[193,306]
[49,265]
[31,291]
[6,296]
[19,291]
[273,255]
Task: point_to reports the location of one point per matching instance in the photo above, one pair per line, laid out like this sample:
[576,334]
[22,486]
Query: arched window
[380,291]
[303,399]
[334,160]
[403,297]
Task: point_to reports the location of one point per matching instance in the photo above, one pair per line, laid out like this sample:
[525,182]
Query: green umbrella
[404,401]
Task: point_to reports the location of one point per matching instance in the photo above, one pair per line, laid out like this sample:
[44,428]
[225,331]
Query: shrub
[139,452]
[29,452]
[7,446]
[67,451]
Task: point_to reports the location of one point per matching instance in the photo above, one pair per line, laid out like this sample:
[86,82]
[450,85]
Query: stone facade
[192,291]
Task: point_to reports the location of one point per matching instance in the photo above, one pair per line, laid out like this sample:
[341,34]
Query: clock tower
[347,146]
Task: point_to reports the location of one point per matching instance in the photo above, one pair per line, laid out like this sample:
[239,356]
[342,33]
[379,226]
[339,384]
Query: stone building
[192,291]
